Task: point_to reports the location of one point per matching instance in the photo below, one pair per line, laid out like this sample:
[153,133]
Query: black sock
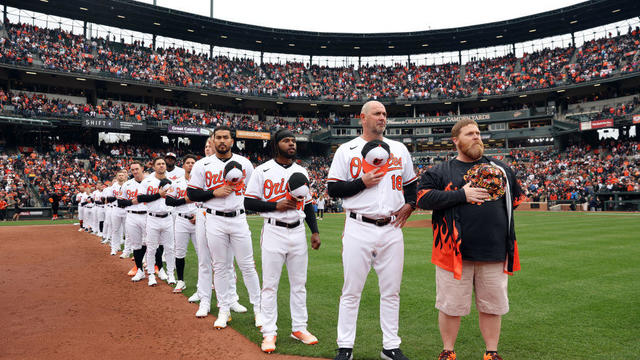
[101,225]
[138,255]
[159,256]
[180,268]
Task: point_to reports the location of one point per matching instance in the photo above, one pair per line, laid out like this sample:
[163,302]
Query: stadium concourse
[60,50]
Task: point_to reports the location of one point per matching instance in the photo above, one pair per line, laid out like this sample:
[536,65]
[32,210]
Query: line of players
[205,201]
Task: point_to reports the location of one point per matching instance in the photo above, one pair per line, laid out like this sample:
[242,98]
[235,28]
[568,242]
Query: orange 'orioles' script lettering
[271,189]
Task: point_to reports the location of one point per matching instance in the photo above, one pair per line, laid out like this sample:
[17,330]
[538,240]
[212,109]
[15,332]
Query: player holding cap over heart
[279,190]
[375,177]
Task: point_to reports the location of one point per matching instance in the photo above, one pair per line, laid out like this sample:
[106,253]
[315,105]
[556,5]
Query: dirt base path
[64,297]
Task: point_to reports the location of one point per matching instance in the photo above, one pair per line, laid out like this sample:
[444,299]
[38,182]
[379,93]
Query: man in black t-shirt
[474,248]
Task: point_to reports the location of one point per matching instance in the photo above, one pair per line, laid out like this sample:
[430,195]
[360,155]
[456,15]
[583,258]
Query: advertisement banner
[189,130]
[585,125]
[636,119]
[242,134]
[452,119]
[598,124]
[114,124]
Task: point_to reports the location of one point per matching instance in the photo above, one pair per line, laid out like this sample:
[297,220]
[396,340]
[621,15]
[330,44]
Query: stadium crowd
[63,51]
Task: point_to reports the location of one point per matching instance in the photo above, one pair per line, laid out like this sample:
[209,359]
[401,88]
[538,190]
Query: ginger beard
[472,148]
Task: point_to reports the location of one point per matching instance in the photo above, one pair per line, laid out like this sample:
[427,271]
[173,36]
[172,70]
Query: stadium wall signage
[596,124]
[114,124]
[636,119]
[188,130]
[484,117]
[242,134]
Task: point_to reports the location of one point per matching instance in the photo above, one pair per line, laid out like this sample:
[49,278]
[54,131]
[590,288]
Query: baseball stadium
[178,185]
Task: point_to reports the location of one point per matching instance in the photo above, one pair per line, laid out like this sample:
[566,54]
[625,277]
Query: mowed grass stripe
[577,297]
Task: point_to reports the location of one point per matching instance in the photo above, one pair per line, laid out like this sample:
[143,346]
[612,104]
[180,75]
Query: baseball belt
[283,224]
[226,214]
[377,222]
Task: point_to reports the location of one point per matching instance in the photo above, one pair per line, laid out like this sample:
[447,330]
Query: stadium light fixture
[83,8]
[123,84]
[532,30]
[258,41]
[279,102]
[407,105]
[81,79]
[499,37]
[484,100]
[356,47]
[323,46]
[292,44]
[596,85]
[313,104]
[167,90]
[561,90]
[615,11]
[425,45]
[204,94]
[223,36]
[523,95]
[463,41]
[239,99]
[32,73]
[45,1]
[190,30]
[346,105]
[391,47]
[121,16]
[447,102]
[573,22]
[156,23]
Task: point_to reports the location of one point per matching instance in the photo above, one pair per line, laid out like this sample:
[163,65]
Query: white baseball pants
[363,246]
[160,232]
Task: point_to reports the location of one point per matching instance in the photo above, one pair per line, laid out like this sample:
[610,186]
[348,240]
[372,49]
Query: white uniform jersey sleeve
[197,175]
[178,191]
[338,170]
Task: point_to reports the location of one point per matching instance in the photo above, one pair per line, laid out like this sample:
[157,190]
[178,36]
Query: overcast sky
[365,16]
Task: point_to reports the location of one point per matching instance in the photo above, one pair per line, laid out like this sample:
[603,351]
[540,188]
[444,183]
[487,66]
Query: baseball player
[185,223]
[80,201]
[375,178]
[118,215]
[283,239]
[226,222]
[159,227]
[136,218]
[89,210]
[205,263]
[173,172]
[106,229]
[98,219]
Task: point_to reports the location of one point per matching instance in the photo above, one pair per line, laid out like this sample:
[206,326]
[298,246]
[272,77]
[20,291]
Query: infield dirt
[64,297]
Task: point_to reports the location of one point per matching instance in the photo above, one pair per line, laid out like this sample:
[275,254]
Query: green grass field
[38,222]
[577,296]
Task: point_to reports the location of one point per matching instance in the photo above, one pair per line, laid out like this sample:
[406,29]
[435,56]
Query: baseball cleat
[79,230]
[162,274]
[447,355]
[104,241]
[139,275]
[171,279]
[194,298]
[203,311]
[304,336]
[113,252]
[223,318]
[259,320]
[152,280]
[237,307]
[393,354]
[344,354]
[133,271]
[179,287]
[124,255]
[268,344]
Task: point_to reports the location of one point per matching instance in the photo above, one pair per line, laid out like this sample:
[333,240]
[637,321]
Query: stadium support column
[153,42]
[408,60]
[310,60]
[4,17]
[261,57]
[210,51]
[84,29]
[573,37]
[359,61]
[513,49]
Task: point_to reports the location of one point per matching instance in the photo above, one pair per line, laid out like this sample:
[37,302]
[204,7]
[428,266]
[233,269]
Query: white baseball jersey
[150,186]
[386,197]
[208,174]
[269,183]
[178,191]
[130,191]
[96,195]
[174,174]
[107,192]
